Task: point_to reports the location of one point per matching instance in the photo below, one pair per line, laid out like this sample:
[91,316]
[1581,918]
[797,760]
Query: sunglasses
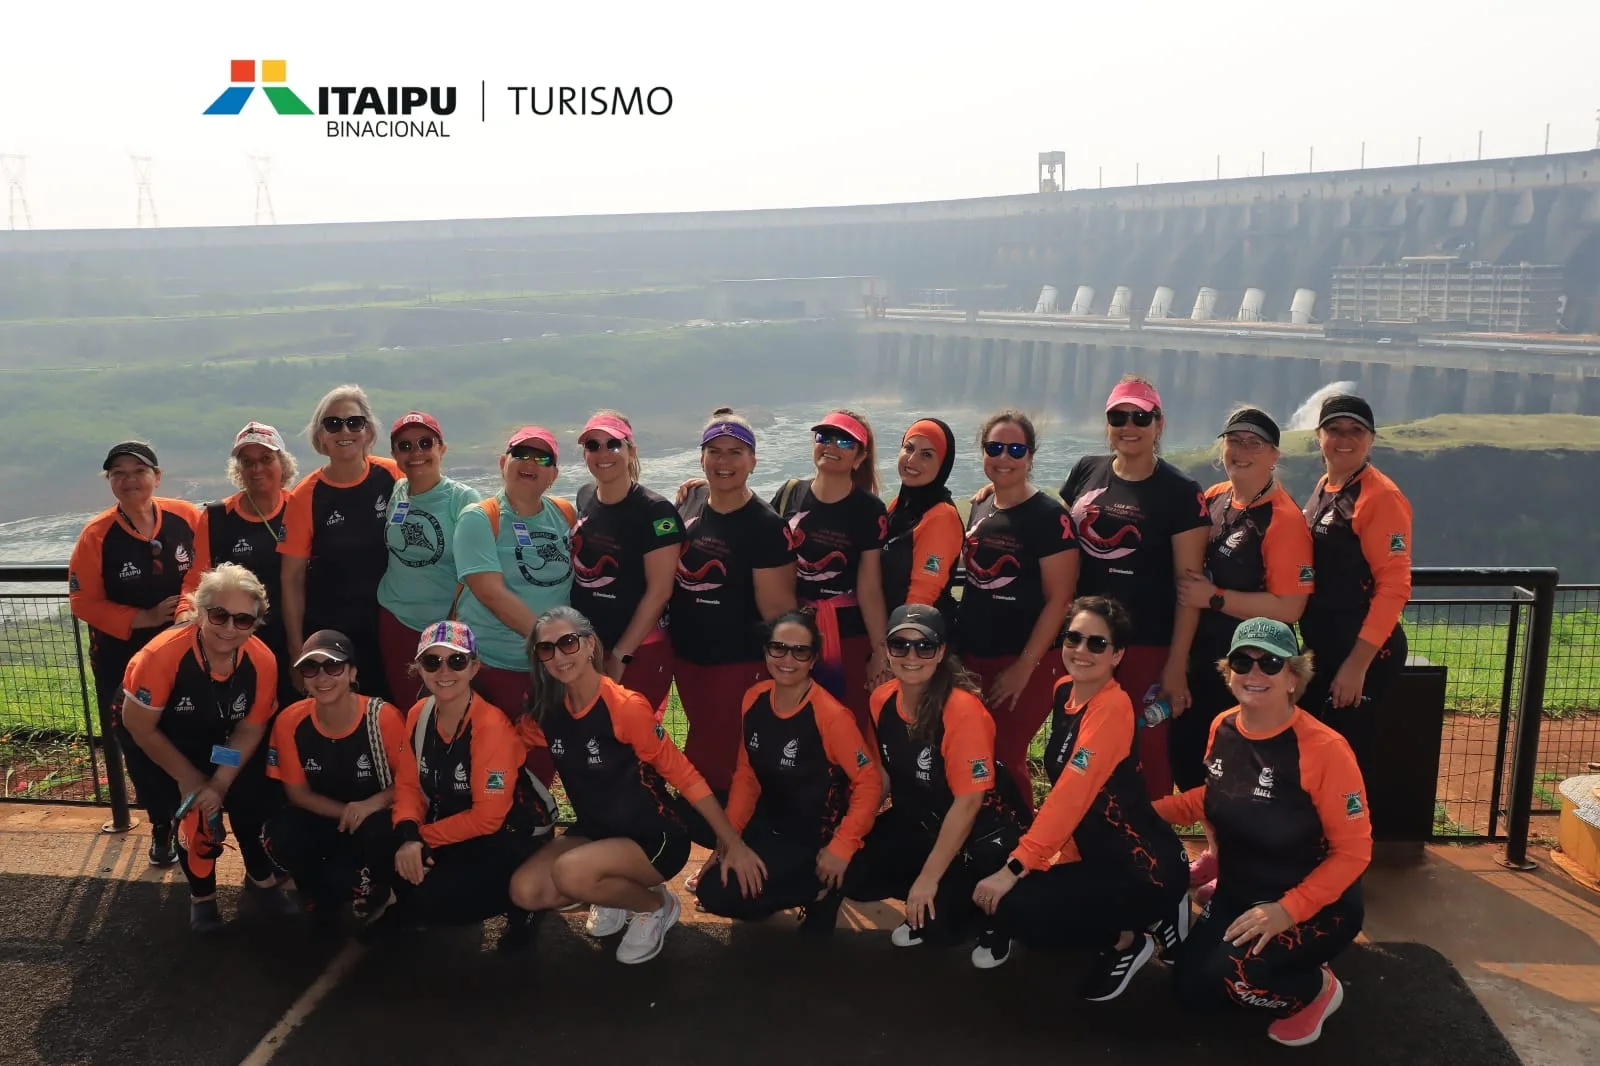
[900,647]
[456,660]
[321,666]
[218,617]
[355,423]
[612,445]
[994,448]
[566,644]
[842,441]
[1240,662]
[801,653]
[1118,419]
[1095,644]
[421,443]
[524,454]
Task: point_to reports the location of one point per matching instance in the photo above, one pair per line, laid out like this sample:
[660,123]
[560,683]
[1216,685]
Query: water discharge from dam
[1305,416]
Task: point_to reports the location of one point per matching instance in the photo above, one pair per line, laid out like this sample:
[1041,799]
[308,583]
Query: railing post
[116,783]
[1525,758]
[1513,631]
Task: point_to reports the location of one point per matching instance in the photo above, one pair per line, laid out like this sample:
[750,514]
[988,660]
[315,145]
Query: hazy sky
[774,105]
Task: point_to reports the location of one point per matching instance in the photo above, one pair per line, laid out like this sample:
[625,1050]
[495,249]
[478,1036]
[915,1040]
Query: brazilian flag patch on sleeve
[665,527]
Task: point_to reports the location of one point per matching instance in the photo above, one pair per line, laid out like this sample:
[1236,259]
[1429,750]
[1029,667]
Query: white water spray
[1305,416]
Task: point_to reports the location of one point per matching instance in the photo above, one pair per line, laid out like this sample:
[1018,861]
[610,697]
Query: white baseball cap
[259,433]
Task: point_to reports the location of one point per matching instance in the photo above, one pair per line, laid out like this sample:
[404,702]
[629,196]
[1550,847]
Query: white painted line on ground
[301,1008]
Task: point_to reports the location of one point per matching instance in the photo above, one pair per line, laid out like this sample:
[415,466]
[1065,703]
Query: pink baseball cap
[610,425]
[1142,396]
[415,418]
[259,433]
[534,435]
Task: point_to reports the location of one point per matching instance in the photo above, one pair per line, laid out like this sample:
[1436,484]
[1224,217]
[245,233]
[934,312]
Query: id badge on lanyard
[400,510]
[521,531]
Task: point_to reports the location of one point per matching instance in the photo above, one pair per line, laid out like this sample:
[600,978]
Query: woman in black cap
[124,582]
[1361,546]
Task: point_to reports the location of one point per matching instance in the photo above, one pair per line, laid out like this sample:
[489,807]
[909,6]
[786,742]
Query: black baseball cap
[1252,420]
[136,448]
[1347,407]
[919,616]
[331,644]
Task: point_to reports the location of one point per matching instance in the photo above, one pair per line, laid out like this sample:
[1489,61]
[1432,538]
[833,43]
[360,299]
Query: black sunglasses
[219,617]
[355,423]
[424,443]
[842,441]
[801,653]
[456,660]
[524,454]
[1240,662]
[1118,419]
[1095,644]
[321,666]
[611,445]
[566,644]
[993,448]
[900,647]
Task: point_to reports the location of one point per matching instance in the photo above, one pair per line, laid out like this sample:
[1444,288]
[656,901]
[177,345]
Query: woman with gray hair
[333,549]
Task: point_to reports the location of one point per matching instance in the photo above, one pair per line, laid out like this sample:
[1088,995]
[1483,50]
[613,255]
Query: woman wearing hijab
[925,529]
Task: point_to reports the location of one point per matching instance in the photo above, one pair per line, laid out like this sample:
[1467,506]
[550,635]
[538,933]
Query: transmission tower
[13,166]
[141,172]
[262,165]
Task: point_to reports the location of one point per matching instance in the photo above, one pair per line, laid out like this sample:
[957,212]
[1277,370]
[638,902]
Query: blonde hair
[1299,667]
[344,393]
[286,464]
[634,472]
[865,475]
[725,414]
[1221,441]
[228,578]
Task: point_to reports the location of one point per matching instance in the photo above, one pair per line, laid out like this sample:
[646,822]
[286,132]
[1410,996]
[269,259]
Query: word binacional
[594,100]
[385,128]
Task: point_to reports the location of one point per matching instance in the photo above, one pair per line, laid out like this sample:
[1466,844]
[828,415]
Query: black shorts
[667,851]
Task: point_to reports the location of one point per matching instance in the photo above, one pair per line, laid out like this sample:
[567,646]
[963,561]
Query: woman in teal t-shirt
[419,581]
[514,560]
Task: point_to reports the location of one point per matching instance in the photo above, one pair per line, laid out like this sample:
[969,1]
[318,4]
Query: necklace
[276,539]
[220,690]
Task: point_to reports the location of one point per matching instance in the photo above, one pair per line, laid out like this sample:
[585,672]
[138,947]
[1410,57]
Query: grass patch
[1475,657]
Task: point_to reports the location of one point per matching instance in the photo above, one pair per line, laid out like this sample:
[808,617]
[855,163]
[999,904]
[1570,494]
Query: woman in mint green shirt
[514,559]
[419,581]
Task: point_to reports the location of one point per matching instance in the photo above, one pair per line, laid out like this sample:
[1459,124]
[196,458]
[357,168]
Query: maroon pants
[1139,670]
[650,673]
[1015,726]
[397,643]
[508,690]
[713,697]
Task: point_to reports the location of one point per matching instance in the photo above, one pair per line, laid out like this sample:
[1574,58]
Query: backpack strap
[567,510]
[424,723]
[785,495]
[380,757]
[491,511]
[585,495]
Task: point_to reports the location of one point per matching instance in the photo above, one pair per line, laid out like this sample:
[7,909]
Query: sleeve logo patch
[272,756]
[933,563]
[1080,760]
[72,582]
[661,731]
[1397,543]
[1308,574]
[143,696]
[1352,805]
[861,759]
[665,527]
[980,769]
[496,782]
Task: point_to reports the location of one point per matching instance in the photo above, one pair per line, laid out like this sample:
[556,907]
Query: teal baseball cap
[1265,634]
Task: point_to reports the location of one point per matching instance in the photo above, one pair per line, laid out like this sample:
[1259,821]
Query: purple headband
[728,429]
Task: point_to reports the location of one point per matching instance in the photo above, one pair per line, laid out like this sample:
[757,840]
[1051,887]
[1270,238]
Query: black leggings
[330,867]
[1190,732]
[251,800]
[1211,973]
[791,879]
[891,858]
[1086,905]
[468,882]
[1331,645]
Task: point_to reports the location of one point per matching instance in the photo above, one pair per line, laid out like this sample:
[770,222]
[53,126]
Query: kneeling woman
[615,763]
[334,752]
[951,823]
[1097,866]
[804,792]
[1289,809]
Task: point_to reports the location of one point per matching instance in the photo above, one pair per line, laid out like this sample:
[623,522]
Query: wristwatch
[625,659]
[1014,864]
[1217,602]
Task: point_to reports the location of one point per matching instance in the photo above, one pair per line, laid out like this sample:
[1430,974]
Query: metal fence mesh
[46,694]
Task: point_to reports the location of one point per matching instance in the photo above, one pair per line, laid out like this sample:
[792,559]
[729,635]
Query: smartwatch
[1217,602]
[1014,864]
[625,659]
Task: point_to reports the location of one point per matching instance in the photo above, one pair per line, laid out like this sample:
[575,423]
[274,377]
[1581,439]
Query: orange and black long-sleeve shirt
[230,531]
[345,767]
[115,571]
[462,786]
[1260,545]
[806,774]
[339,528]
[172,676]
[1289,811]
[918,567]
[1098,809]
[615,761]
[1361,544]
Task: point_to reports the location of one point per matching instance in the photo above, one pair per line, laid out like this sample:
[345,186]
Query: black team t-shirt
[1125,531]
[713,614]
[829,540]
[609,544]
[1005,593]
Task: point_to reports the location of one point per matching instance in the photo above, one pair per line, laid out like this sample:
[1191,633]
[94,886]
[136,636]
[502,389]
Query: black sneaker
[993,950]
[521,928]
[163,849]
[1171,932]
[1116,968]
[204,917]
[268,901]
[818,918]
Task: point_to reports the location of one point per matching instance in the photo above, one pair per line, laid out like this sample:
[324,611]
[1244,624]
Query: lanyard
[226,686]
[1244,512]
[264,520]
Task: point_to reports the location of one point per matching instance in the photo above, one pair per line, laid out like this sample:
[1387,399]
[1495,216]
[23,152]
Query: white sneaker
[648,929]
[905,937]
[604,921]
[992,950]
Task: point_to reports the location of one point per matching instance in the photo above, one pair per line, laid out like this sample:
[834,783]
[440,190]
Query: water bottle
[1156,710]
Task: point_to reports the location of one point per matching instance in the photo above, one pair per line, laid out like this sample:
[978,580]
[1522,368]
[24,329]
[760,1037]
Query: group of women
[823,664]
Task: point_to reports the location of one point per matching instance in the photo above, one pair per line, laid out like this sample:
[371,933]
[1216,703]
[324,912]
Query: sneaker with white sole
[993,950]
[1116,968]
[1171,932]
[905,937]
[605,921]
[647,930]
[1305,1026]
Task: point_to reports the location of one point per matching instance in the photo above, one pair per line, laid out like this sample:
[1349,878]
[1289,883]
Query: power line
[14,166]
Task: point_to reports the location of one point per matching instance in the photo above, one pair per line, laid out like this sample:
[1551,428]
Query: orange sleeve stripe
[1328,772]
[633,721]
[86,589]
[497,757]
[182,509]
[202,560]
[935,548]
[530,734]
[1382,520]
[847,750]
[1182,808]
[297,518]
[153,670]
[391,730]
[746,788]
[968,746]
[409,803]
[1286,549]
[286,752]
[1104,740]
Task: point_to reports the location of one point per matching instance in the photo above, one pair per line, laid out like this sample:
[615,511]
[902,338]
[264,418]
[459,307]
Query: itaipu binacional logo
[361,110]
[274,73]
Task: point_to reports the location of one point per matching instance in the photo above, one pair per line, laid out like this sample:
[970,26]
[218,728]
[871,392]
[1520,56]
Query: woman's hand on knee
[409,862]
